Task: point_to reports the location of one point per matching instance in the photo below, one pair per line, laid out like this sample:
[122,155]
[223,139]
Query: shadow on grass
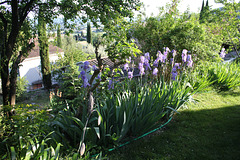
[202,134]
[233,93]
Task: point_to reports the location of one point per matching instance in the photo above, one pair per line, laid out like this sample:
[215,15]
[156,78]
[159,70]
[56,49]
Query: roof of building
[107,61]
[35,51]
[52,49]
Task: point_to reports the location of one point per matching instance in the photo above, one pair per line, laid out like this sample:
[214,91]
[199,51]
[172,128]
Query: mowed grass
[209,129]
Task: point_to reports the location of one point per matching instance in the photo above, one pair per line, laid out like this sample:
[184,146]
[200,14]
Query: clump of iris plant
[176,67]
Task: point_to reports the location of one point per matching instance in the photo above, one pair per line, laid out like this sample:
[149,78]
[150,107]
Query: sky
[194,5]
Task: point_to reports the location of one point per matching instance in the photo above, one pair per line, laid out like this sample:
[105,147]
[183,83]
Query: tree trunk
[13,86]
[13,79]
[5,80]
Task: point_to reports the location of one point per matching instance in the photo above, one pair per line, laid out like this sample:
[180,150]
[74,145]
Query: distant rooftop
[35,51]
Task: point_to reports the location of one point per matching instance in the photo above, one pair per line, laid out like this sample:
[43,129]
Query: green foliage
[204,13]
[15,13]
[128,113]
[21,88]
[198,39]
[67,129]
[178,33]
[72,52]
[118,47]
[27,120]
[200,78]
[226,20]
[70,86]
[149,32]
[225,76]
[25,115]
[30,148]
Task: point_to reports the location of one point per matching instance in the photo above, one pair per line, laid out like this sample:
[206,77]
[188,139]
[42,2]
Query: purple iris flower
[155,71]
[142,59]
[167,49]
[86,65]
[174,52]
[110,85]
[177,65]
[126,67]
[142,71]
[98,77]
[166,52]
[189,61]
[162,58]
[174,75]
[128,60]
[82,73]
[84,78]
[158,52]
[130,74]
[155,63]
[147,56]
[146,64]
[171,60]
[184,55]
[174,71]
[222,54]
[85,83]
[94,67]
[140,67]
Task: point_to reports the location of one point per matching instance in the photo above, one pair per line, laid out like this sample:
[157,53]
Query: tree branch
[5,2]
[25,11]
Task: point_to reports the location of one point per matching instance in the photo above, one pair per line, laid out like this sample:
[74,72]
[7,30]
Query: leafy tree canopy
[13,13]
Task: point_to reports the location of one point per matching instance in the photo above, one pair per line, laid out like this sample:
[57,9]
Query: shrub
[21,88]
[197,38]
[154,33]
[28,120]
[200,79]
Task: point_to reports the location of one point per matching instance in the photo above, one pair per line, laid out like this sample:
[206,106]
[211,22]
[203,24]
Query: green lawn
[209,129]
[39,97]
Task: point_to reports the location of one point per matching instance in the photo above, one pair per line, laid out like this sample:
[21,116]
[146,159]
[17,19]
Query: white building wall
[30,68]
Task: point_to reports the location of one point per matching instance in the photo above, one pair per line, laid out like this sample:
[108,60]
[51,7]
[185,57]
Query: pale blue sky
[194,5]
